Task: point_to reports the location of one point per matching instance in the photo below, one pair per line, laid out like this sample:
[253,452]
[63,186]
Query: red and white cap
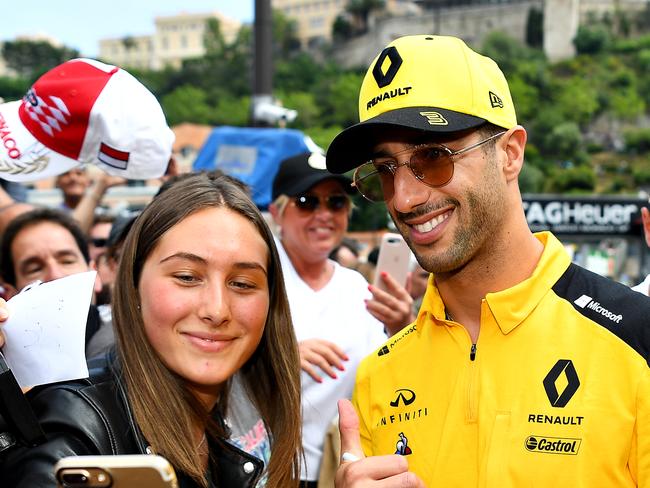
[84,112]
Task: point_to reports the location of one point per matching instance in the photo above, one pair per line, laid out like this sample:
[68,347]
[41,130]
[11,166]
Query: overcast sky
[80,24]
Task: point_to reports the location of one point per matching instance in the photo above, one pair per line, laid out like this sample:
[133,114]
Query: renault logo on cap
[395,59]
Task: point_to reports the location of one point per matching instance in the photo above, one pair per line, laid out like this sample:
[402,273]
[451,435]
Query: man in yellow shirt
[522,369]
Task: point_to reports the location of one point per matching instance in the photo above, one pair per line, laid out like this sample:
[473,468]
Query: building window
[184,41]
[165,43]
[316,22]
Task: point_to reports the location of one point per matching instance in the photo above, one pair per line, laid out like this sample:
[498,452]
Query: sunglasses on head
[309,203]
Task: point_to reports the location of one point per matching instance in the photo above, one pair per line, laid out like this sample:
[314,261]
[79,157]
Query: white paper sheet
[46,329]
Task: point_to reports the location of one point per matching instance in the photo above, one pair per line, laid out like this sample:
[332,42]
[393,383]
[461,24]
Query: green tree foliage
[213,39]
[535,28]
[591,40]
[577,100]
[285,40]
[531,179]
[30,59]
[565,142]
[360,11]
[231,110]
[367,215]
[342,28]
[13,88]
[641,176]
[323,136]
[338,99]
[298,73]
[637,141]
[581,179]
[187,103]
[506,51]
[305,104]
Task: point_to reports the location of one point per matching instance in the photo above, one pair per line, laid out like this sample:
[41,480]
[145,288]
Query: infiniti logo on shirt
[404,395]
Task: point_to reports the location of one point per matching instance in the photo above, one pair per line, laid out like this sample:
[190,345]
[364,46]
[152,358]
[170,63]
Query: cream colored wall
[176,38]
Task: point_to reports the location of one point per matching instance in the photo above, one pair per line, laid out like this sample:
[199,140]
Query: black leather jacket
[91,417]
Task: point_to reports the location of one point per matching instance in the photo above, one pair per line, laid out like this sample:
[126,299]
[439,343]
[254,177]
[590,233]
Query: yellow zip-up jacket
[555,393]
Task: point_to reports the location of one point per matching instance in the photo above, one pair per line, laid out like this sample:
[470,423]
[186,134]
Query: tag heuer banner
[584,215]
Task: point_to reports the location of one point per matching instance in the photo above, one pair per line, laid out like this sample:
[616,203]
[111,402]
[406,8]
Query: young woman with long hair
[199,297]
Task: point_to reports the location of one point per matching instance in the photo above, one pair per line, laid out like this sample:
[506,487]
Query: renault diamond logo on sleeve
[395,59]
[563,366]
[405,395]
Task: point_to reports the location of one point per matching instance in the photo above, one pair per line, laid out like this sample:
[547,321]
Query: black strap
[20,423]
[92,322]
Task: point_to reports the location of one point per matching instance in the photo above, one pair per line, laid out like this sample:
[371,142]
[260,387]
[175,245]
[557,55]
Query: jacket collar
[511,306]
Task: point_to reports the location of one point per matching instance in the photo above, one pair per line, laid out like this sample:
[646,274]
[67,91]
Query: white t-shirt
[336,313]
[644,286]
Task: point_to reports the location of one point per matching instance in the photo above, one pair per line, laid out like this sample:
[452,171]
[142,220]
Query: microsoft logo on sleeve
[588,302]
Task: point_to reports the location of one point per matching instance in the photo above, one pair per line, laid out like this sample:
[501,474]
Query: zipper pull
[472,353]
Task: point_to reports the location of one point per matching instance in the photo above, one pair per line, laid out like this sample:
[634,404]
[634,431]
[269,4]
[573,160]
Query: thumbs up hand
[356,470]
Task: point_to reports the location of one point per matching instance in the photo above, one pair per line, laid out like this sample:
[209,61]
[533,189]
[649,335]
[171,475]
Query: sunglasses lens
[373,182]
[337,202]
[432,165]
[99,242]
[307,202]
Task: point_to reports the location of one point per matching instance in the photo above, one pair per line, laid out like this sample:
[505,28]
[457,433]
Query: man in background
[73,185]
[46,244]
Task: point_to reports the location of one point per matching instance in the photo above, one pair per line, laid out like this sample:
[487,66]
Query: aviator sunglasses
[309,203]
[432,164]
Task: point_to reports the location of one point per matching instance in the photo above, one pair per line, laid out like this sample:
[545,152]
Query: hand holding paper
[45,332]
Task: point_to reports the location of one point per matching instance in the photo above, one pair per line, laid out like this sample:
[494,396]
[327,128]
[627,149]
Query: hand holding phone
[394,259]
[124,471]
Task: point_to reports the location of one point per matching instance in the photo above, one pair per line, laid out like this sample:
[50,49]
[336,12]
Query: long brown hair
[164,409]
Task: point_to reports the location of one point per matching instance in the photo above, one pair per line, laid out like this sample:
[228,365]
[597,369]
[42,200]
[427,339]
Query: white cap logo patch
[317,161]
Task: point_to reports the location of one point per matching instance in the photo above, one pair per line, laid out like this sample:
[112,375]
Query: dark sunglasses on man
[309,203]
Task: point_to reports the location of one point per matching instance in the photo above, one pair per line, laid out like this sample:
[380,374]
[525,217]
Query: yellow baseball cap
[426,82]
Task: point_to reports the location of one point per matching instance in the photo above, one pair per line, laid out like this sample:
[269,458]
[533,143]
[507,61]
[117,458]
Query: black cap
[298,174]
[120,229]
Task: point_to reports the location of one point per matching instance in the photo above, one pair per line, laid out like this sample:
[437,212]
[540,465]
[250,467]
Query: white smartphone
[123,471]
[394,258]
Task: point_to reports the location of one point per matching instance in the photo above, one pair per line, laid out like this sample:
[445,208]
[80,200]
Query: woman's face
[313,234]
[204,297]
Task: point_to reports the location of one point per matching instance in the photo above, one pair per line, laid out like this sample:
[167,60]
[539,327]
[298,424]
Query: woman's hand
[324,354]
[393,307]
